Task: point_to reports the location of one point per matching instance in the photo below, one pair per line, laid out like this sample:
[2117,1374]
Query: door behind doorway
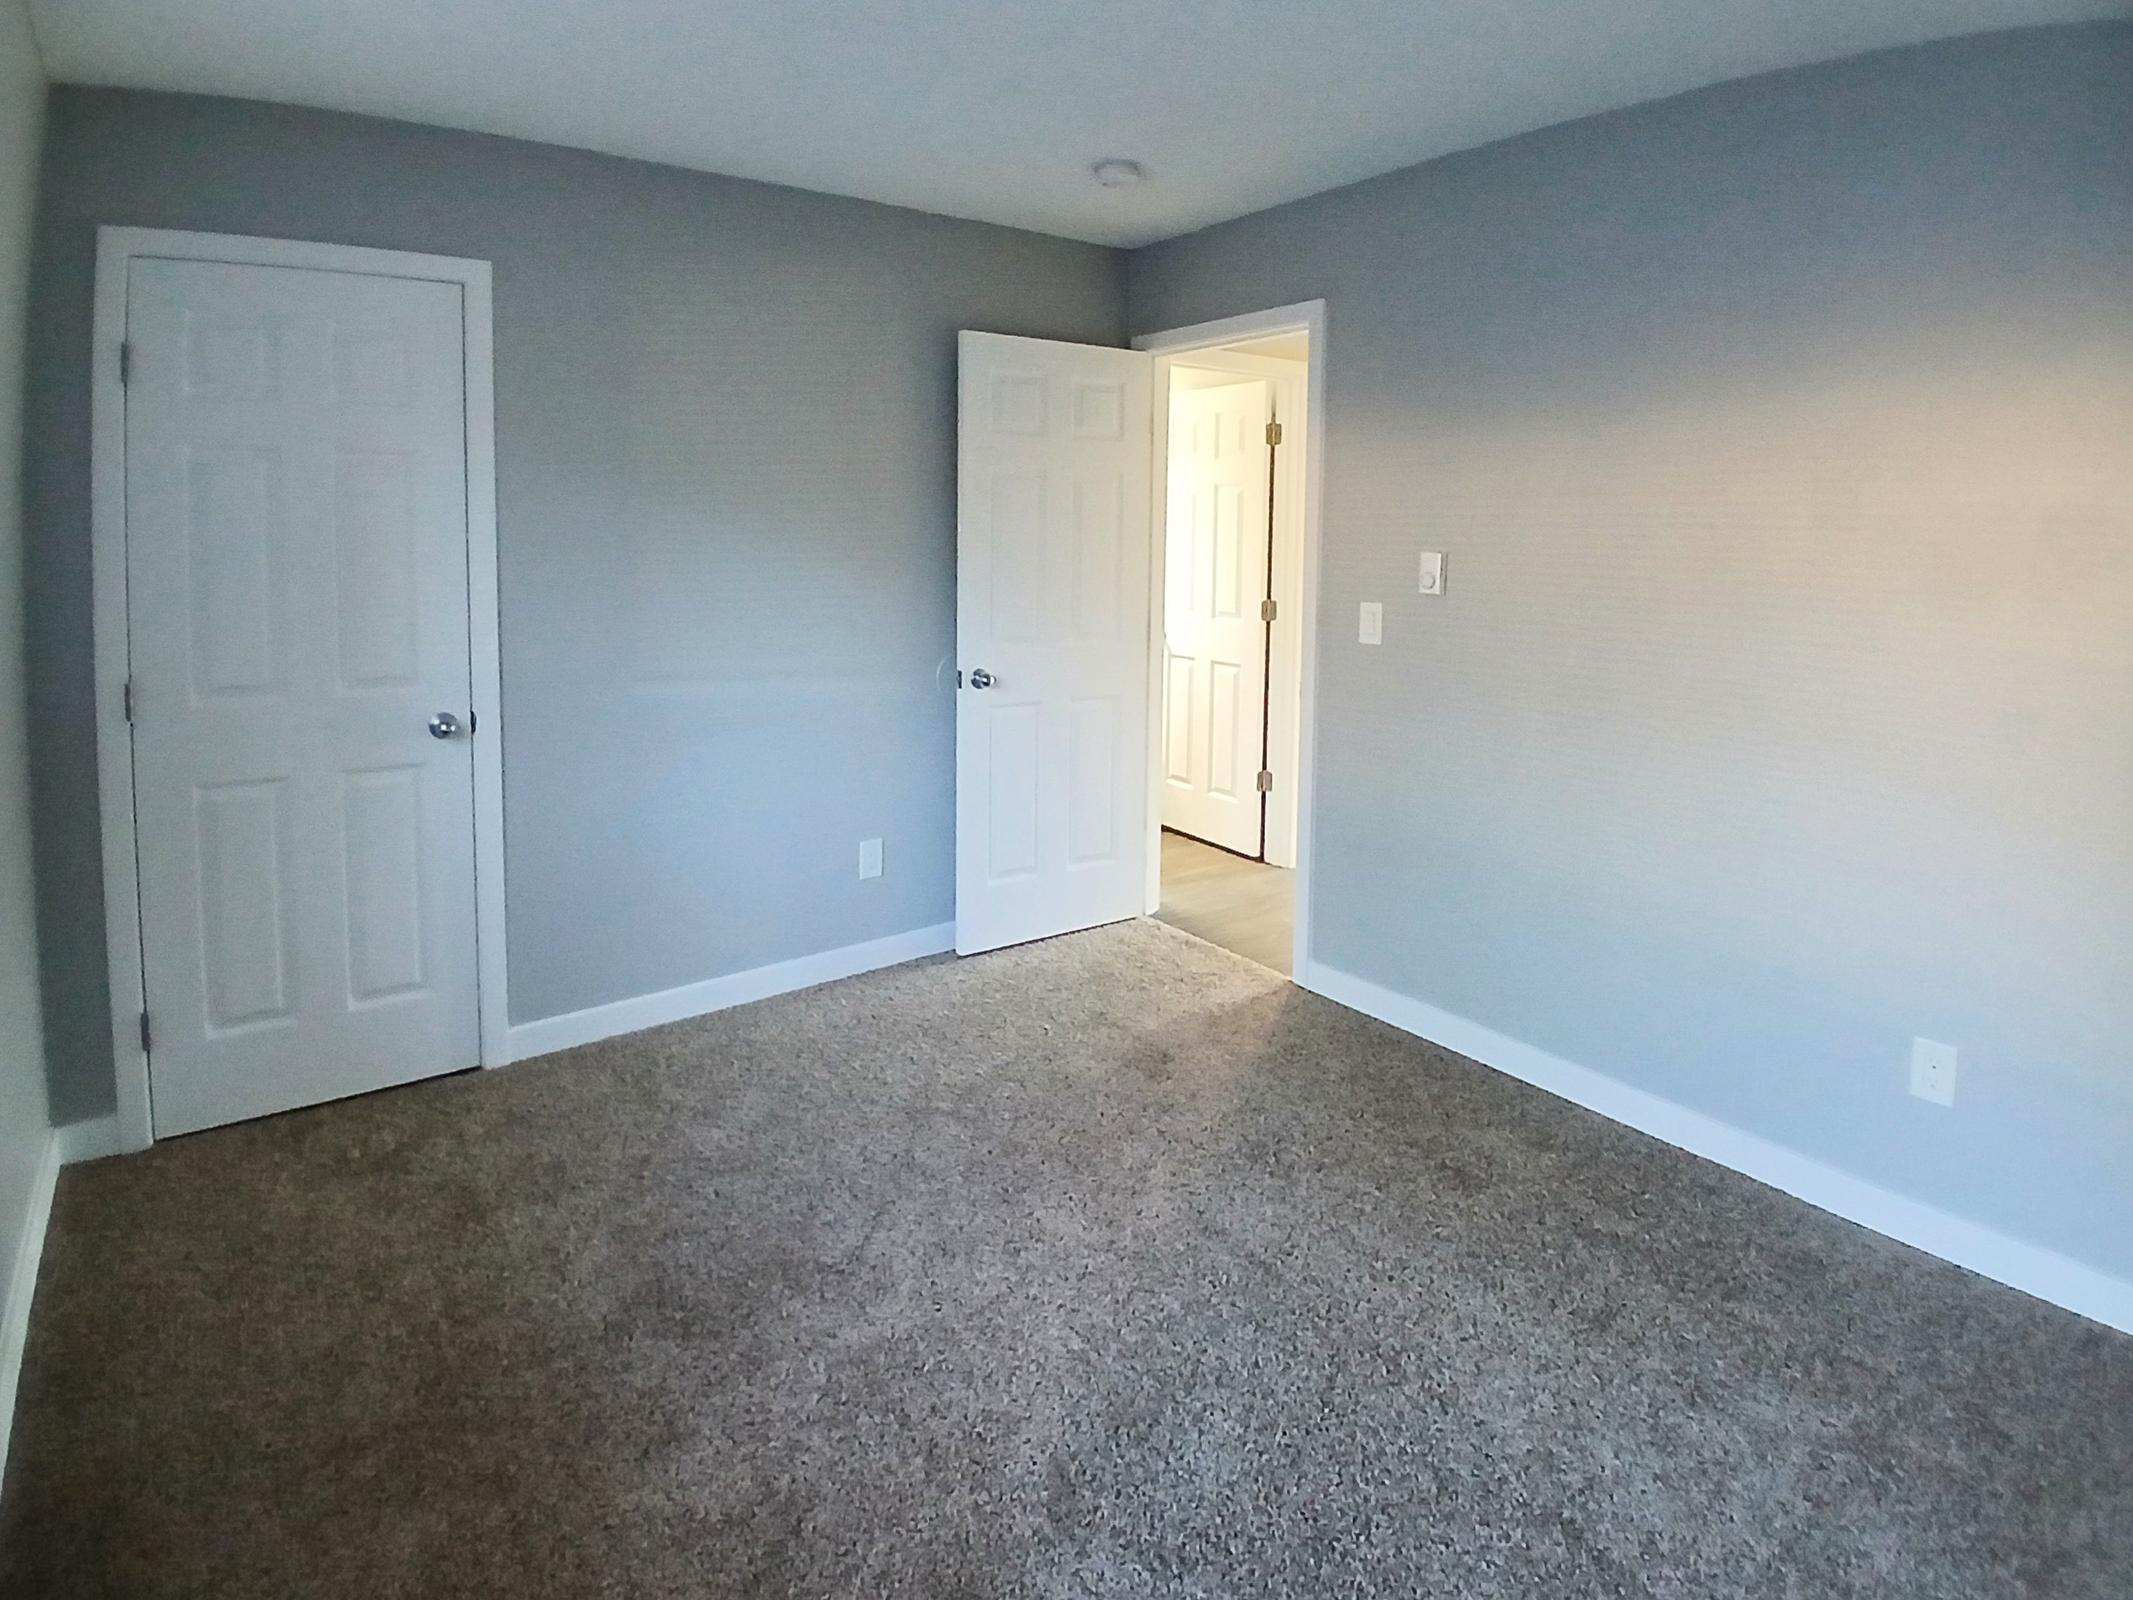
[1217,581]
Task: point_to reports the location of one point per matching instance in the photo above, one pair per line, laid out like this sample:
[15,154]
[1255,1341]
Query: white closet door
[296,522]
[1214,637]
[1052,583]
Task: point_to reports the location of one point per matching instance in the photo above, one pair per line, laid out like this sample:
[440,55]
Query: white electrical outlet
[1370,627]
[1432,581]
[869,858]
[1933,1071]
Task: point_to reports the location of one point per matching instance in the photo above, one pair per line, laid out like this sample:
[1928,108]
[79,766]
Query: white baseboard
[717,994]
[22,1285]
[91,1140]
[1983,1250]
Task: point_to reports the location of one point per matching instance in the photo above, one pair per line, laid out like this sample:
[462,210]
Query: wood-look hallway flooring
[1244,906]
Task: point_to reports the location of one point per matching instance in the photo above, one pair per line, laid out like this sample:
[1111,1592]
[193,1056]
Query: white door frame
[1307,317]
[116,250]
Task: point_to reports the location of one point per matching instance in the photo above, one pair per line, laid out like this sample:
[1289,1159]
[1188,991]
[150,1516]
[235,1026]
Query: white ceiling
[995,108]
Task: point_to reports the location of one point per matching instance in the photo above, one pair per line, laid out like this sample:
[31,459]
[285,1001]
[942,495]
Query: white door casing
[1191,345]
[1053,541]
[296,511]
[1214,636]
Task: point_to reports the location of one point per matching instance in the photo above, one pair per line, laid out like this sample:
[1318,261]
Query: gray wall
[725,438]
[1781,704]
[23,1126]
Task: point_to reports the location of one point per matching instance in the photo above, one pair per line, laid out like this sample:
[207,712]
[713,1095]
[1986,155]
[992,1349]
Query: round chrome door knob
[443,725]
[981,679]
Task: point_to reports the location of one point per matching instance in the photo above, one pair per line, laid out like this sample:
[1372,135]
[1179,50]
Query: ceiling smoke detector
[1117,173]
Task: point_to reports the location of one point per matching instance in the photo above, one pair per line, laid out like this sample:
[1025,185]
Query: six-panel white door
[1214,637]
[1052,595]
[296,519]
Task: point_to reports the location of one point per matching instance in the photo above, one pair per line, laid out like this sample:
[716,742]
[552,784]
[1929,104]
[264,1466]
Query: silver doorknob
[981,679]
[443,725]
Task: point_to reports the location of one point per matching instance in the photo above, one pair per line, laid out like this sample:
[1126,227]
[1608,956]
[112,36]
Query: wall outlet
[1933,1071]
[1432,581]
[1370,627]
[869,858]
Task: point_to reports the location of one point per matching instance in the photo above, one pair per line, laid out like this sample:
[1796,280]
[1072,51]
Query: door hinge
[144,1033]
[1266,782]
[125,362]
[129,699]
[1273,433]
[1267,608]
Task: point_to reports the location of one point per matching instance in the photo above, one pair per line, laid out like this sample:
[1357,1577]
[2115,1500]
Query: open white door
[1215,640]
[1053,491]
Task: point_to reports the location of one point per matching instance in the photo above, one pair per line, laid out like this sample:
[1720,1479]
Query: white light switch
[1933,1071]
[1433,572]
[1371,628]
[869,858]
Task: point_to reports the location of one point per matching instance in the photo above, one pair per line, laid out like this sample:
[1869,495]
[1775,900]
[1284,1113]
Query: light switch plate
[1432,572]
[869,858]
[1933,1071]
[1370,628]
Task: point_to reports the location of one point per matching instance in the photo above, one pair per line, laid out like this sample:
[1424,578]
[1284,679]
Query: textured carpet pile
[1107,1266]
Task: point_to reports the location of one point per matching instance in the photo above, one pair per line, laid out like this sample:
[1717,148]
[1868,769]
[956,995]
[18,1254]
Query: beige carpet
[1107,1266]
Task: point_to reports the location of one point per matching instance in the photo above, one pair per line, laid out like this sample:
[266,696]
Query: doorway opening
[1063,635]
[1233,409]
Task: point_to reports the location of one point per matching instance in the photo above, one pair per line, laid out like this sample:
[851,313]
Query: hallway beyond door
[1242,905]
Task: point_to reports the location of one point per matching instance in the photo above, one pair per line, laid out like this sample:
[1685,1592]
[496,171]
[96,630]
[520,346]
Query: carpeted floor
[1107,1266]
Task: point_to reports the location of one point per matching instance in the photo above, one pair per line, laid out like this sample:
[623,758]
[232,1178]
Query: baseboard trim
[595,1023]
[90,1141]
[22,1286]
[1986,1251]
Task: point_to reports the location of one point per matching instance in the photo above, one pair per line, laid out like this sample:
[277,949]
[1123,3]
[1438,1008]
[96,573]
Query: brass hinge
[125,362]
[1266,782]
[1273,433]
[144,1033]
[1267,608]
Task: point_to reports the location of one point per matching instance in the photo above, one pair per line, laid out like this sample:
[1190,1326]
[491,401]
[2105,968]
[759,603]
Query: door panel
[1053,529]
[381,831]
[297,580]
[1215,562]
[243,840]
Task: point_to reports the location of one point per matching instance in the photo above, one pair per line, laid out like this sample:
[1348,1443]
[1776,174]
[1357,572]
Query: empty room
[979,799]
